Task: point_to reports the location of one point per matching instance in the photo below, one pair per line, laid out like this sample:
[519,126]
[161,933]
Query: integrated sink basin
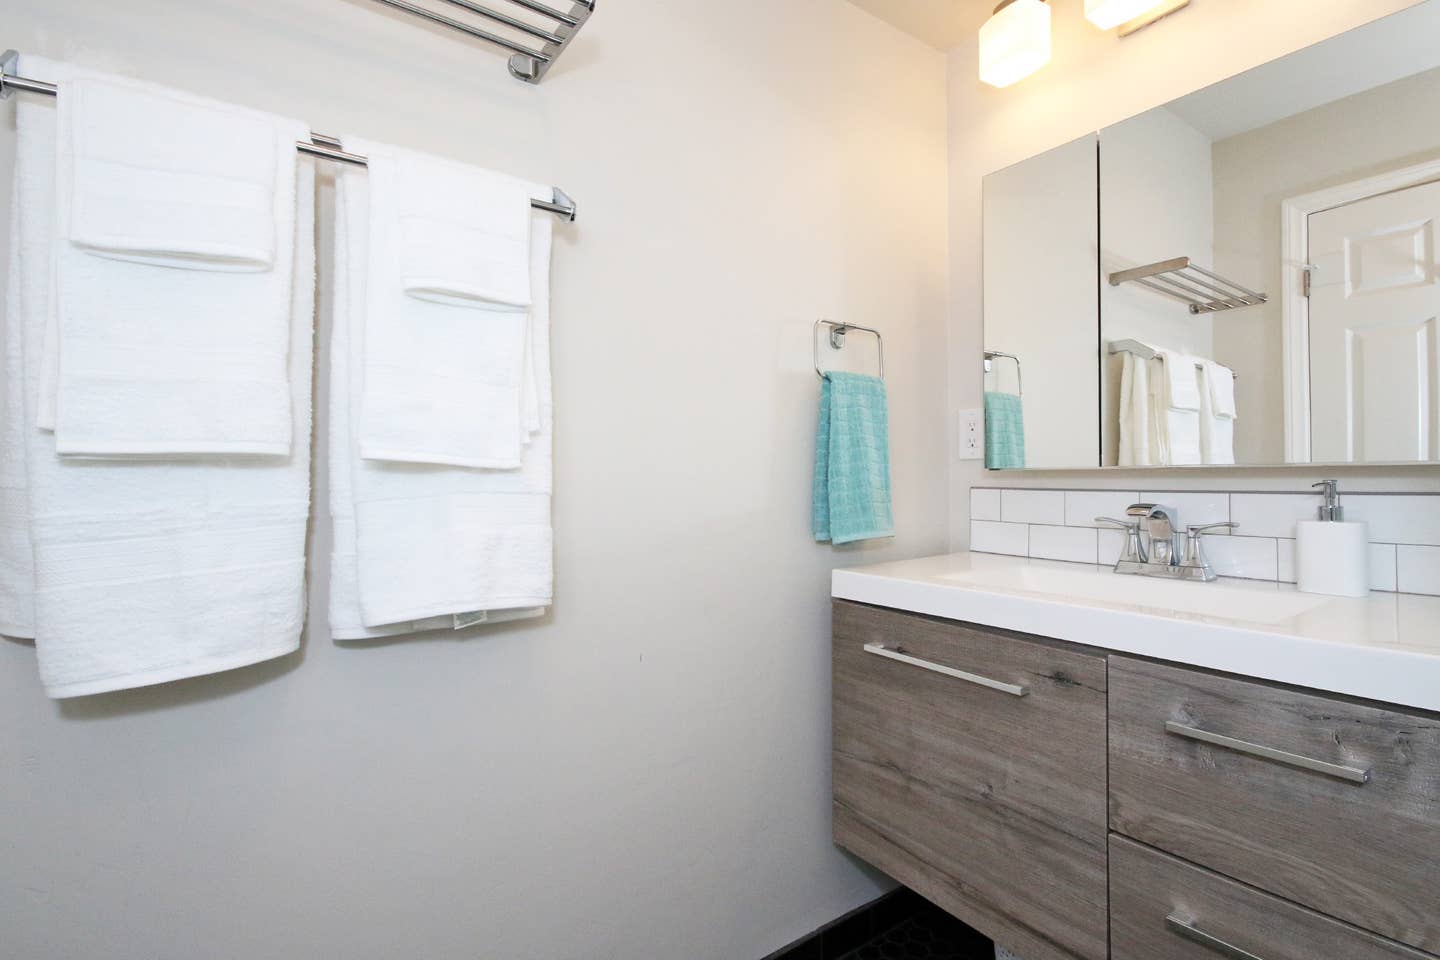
[1260,603]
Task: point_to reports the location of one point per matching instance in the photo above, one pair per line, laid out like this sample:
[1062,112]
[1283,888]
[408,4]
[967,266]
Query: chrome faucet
[1156,547]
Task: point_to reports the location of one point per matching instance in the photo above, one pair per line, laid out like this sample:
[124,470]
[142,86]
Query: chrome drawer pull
[1188,930]
[1352,774]
[880,650]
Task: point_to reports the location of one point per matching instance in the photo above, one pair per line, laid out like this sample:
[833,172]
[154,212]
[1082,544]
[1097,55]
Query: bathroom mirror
[1041,229]
[1275,234]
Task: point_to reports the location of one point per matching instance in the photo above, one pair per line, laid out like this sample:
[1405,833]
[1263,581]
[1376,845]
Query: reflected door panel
[1374,301]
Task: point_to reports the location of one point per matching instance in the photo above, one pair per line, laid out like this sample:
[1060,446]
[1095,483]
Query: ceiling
[943,24]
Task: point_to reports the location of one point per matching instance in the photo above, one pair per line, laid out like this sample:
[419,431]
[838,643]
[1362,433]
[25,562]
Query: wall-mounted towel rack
[554,29]
[1144,352]
[837,341]
[320,145]
[998,354]
[1196,287]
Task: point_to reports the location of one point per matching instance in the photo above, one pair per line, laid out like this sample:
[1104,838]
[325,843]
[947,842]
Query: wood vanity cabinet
[980,784]
[1074,803]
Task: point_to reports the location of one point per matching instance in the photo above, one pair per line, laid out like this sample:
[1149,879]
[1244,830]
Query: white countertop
[1383,647]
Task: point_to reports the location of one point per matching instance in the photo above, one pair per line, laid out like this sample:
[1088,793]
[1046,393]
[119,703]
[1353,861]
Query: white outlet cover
[972,434]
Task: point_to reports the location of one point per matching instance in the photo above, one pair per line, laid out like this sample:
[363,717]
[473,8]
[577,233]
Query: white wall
[643,774]
[1097,79]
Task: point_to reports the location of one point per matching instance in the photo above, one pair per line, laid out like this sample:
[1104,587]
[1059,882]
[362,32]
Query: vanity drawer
[1328,802]
[1162,908]
[973,771]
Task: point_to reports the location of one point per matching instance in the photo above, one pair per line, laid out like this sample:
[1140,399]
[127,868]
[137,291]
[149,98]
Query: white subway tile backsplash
[1396,518]
[1271,514]
[1254,558]
[1417,569]
[1193,507]
[1083,506]
[1060,525]
[1076,544]
[1033,506]
[984,503]
[1382,566]
[988,536]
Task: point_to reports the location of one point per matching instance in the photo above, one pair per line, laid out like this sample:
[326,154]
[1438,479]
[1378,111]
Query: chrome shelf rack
[535,35]
[1194,286]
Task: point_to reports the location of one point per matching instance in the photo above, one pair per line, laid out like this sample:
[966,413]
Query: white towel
[17,562]
[1217,426]
[447,318]
[148,571]
[170,329]
[430,589]
[1220,382]
[1176,390]
[1135,419]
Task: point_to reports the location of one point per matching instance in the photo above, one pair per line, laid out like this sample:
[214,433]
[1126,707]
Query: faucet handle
[1127,524]
[1201,529]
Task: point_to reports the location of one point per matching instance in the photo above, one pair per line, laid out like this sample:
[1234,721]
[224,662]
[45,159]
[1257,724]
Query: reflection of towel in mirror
[1176,390]
[1004,431]
[1217,413]
[1135,421]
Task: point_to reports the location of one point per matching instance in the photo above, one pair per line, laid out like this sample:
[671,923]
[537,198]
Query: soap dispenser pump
[1332,555]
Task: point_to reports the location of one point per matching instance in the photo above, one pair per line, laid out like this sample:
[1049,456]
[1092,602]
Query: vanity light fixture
[1129,15]
[1014,42]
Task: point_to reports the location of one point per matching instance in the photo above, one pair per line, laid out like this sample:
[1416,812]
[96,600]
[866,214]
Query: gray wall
[643,774]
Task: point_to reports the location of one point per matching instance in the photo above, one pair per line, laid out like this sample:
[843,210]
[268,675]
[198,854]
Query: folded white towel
[1217,428]
[1175,391]
[1220,381]
[170,330]
[1182,380]
[447,314]
[1135,419]
[148,571]
[440,576]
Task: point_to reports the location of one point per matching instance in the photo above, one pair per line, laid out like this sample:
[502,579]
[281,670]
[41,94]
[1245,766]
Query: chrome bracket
[9,67]
[533,69]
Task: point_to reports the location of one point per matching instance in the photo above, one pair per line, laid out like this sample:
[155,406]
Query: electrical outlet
[972,435]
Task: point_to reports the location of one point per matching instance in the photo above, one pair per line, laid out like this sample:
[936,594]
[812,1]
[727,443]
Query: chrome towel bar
[320,145]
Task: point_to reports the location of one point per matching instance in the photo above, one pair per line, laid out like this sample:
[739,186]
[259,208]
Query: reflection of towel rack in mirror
[1143,352]
[837,341]
[997,354]
[1196,287]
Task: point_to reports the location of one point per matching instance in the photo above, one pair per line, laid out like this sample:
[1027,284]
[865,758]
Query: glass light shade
[1107,14]
[1015,42]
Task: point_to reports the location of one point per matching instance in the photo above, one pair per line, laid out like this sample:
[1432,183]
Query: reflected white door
[1374,301]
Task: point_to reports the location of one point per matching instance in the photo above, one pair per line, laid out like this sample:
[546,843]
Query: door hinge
[1305,274]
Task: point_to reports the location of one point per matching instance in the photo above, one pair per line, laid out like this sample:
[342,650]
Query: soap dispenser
[1332,555]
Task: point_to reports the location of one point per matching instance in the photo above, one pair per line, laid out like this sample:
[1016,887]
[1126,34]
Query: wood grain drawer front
[988,802]
[1162,908]
[1329,803]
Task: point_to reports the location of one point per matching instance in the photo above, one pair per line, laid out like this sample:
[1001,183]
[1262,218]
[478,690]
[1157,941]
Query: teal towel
[852,460]
[1004,431]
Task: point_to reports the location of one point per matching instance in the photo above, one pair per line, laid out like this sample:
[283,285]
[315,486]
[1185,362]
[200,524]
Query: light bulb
[1108,14]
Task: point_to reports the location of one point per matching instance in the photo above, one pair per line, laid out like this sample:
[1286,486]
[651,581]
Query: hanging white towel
[1135,419]
[17,562]
[148,571]
[447,314]
[1217,413]
[394,568]
[1178,408]
[170,329]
